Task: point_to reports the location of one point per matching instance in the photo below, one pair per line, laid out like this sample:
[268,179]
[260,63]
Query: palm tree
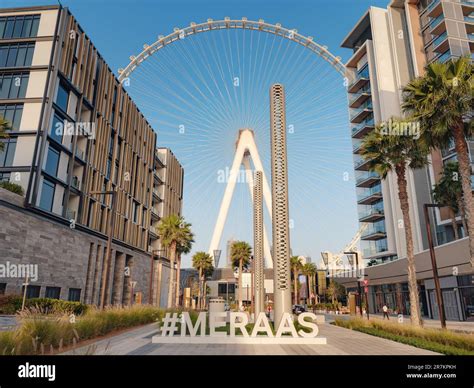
[442,101]
[310,270]
[334,291]
[4,127]
[240,254]
[296,266]
[202,261]
[208,271]
[176,235]
[448,192]
[388,152]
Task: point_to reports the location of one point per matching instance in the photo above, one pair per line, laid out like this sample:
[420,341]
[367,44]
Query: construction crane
[334,261]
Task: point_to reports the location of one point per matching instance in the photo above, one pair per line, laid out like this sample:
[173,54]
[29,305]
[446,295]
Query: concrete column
[109,278]
[259,275]
[119,273]
[90,274]
[99,259]
[127,288]
[280,221]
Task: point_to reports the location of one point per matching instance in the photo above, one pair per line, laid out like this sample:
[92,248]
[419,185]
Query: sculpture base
[224,340]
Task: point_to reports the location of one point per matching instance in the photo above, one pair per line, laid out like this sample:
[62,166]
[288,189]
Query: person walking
[385,312]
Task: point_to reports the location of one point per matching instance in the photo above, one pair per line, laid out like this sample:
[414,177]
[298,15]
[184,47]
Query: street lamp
[351,261]
[439,295]
[111,226]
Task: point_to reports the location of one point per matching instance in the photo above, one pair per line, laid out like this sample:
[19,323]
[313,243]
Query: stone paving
[340,341]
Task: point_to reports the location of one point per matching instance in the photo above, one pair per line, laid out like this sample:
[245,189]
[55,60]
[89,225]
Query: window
[8,152]
[16,55]
[13,85]
[62,97]
[5,177]
[135,212]
[12,113]
[47,195]
[57,129]
[52,161]
[31,291]
[25,26]
[3,287]
[52,292]
[74,295]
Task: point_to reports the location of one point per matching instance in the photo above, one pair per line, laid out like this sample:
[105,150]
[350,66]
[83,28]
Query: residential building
[389,48]
[75,132]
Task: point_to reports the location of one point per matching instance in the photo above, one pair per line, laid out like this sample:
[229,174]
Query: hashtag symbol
[169,326]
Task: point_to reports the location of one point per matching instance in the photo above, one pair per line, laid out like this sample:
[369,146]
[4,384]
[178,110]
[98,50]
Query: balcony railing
[367,179]
[440,39]
[363,128]
[70,214]
[371,215]
[357,99]
[359,114]
[362,77]
[374,233]
[436,21]
[371,195]
[76,183]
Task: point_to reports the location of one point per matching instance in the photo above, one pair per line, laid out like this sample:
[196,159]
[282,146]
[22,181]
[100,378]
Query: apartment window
[47,195]
[13,85]
[12,113]
[5,177]
[52,161]
[74,295]
[62,97]
[135,212]
[16,55]
[57,129]
[24,26]
[31,291]
[3,287]
[8,152]
[52,292]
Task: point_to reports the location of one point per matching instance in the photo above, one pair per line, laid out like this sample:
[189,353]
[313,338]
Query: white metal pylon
[245,149]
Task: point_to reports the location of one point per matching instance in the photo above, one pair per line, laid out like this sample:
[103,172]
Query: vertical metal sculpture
[259,275]
[280,221]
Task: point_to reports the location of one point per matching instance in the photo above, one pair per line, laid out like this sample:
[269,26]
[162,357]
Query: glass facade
[22,26]
[47,195]
[12,113]
[16,55]
[13,86]
[8,152]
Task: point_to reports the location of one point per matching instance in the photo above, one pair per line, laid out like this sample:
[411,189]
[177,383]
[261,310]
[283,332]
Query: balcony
[357,99]
[157,194]
[356,148]
[469,23]
[441,43]
[359,131]
[361,79]
[372,215]
[373,195]
[438,25]
[362,165]
[358,115]
[153,232]
[367,179]
[434,9]
[155,213]
[373,234]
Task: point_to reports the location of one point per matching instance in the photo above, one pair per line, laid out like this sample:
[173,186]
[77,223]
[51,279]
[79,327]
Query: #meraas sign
[286,332]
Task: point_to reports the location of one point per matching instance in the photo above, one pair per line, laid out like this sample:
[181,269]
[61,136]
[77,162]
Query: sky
[191,85]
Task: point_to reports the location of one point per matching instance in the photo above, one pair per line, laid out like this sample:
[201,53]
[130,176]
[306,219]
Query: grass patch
[40,334]
[436,340]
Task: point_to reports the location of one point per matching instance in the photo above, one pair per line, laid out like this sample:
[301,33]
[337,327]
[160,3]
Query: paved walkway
[340,341]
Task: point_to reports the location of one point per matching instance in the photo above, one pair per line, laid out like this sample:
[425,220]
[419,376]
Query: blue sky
[190,84]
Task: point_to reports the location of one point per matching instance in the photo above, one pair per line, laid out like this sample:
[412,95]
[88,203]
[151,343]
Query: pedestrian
[385,312]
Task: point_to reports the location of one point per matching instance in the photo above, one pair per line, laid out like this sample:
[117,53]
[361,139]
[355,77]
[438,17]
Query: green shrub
[39,331]
[10,304]
[13,187]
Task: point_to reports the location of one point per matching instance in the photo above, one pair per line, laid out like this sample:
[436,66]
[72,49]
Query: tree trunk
[240,284]
[454,224]
[463,213]
[295,287]
[171,285]
[412,282]
[178,279]
[465,172]
[200,288]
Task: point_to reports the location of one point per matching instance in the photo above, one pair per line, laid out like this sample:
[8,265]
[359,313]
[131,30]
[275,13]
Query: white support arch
[245,149]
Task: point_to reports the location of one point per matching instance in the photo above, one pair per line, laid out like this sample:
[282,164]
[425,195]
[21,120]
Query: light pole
[111,226]
[351,262]
[439,294]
